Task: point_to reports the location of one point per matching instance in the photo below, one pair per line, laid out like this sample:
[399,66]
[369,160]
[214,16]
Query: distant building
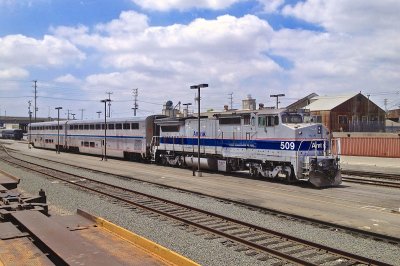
[17,122]
[351,113]
[394,115]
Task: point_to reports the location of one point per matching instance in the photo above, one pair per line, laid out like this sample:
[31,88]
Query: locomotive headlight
[300,132]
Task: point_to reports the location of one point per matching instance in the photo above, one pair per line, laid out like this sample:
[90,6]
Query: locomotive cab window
[268,121]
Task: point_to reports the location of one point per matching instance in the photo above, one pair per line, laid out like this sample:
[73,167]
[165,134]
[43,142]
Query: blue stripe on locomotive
[241,143]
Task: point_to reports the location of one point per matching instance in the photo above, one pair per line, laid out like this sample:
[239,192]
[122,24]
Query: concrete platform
[369,208]
[371,164]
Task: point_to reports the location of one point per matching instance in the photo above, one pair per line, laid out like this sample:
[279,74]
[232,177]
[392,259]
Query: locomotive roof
[243,112]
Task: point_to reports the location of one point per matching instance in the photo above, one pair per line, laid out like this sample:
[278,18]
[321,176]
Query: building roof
[326,103]
[302,102]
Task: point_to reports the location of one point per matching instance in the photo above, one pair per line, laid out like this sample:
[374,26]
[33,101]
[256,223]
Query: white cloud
[355,16]
[19,50]
[271,6]
[129,22]
[68,78]
[166,5]
[13,73]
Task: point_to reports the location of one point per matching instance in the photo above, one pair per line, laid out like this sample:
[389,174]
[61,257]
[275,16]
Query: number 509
[285,145]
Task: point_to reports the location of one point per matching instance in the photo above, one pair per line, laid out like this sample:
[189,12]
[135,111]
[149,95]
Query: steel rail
[337,254]
[372,174]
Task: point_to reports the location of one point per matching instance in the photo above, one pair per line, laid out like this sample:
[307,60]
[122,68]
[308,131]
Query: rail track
[267,245]
[369,181]
[389,176]
[302,219]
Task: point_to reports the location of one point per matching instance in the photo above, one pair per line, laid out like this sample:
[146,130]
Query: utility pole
[135,105]
[385,102]
[68,113]
[109,103]
[35,86]
[368,109]
[277,98]
[82,113]
[231,99]
[73,116]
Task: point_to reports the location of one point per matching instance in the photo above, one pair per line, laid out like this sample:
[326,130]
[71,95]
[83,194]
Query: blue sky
[78,50]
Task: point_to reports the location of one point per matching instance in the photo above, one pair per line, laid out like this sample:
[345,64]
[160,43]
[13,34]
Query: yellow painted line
[150,246]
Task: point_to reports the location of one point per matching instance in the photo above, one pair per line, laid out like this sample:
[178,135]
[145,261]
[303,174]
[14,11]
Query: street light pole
[277,98]
[58,129]
[194,87]
[105,128]
[98,112]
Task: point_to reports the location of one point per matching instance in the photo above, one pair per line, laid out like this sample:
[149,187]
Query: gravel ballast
[65,199]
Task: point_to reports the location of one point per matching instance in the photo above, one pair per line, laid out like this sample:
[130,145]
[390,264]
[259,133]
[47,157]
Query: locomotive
[15,134]
[272,143]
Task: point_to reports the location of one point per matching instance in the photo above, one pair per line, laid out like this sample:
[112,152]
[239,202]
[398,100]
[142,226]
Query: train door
[248,129]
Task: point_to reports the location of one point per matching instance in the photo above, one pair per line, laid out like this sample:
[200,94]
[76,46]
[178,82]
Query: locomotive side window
[135,125]
[91,126]
[229,121]
[261,121]
[170,128]
[86,127]
[80,127]
[276,120]
[110,126]
[98,126]
[246,120]
[118,126]
[127,126]
[71,127]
